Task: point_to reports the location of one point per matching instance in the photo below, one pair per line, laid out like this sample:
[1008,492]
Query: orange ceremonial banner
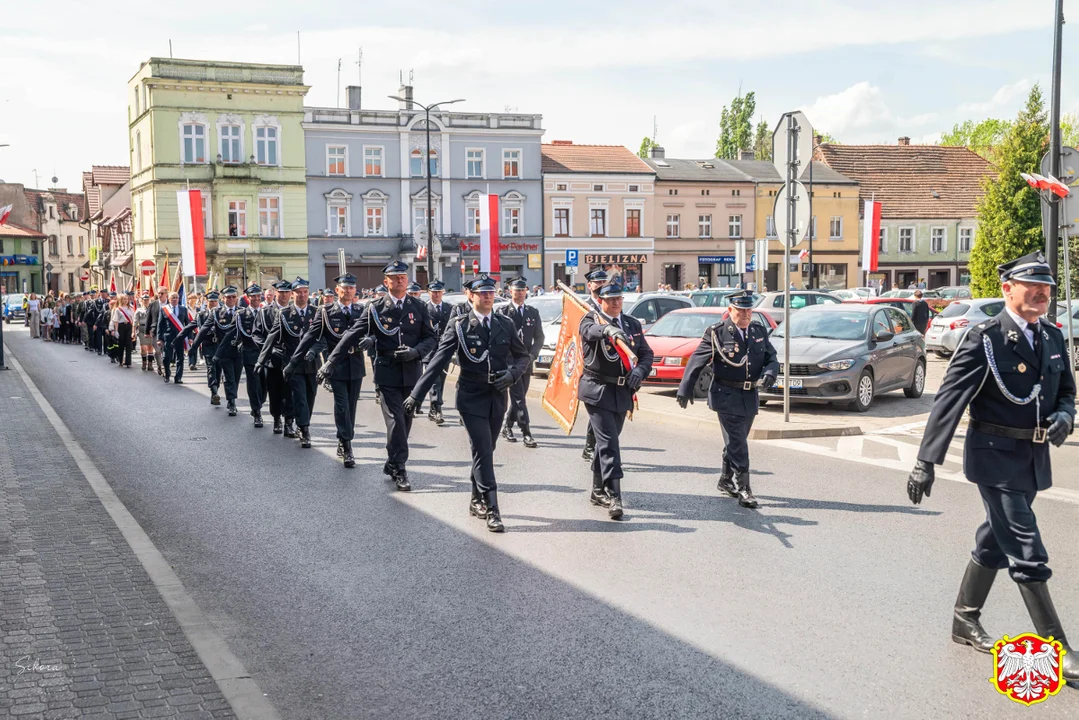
[560,395]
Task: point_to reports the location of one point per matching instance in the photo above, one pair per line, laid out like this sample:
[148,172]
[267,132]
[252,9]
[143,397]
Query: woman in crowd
[33,314]
[122,328]
[46,320]
[146,341]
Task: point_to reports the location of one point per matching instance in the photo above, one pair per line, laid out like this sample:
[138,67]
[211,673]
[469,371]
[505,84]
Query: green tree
[828,138]
[982,137]
[1069,129]
[762,142]
[646,145]
[736,126]
[1009,212]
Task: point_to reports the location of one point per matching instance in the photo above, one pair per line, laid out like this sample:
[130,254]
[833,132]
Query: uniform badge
[1013,336]
[410,318]
[1027,668]
[1022,367]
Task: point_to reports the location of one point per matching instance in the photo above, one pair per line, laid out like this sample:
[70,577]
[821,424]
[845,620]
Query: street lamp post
[427,161]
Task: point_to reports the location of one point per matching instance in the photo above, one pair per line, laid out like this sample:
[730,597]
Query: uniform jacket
[480,353]
[264,320]
[101,313]
[440,318]
[151,318]
[290,325]
[166,331]
[601,357]
[213,328]
[209,339]
[529,326]
[392,328]
[988,459]
[328,327]
[732,360]
[243,333]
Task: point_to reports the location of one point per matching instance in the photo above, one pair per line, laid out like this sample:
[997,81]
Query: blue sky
[866,71]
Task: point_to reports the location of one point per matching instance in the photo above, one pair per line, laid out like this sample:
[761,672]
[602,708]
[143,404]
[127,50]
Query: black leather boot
[966,624]
[232,408]
[258,420]
[507,432]
[350,462]
[1044,615]
[290,428]
[726,479]
[477,508]
[589,445]
[340,447]
[436,416]
[745,494]
[526,437]
[400,478]
[278,425]
[305,437]
[494,518]
[215,399]
[599,494]
[614,489]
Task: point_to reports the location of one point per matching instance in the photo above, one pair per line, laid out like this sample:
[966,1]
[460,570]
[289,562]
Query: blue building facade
[367,189]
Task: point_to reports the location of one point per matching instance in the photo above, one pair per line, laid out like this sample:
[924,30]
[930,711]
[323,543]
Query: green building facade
[233,131]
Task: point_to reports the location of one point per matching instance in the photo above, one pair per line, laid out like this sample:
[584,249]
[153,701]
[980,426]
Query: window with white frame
[82,249]
[419,218]
[70,245]
[511,221]
[633,222]
[882,241]
[673,222]
[237,218]
[415,163]
[770,226]
[433,160]
[472,220]
[511,164]
[372,162]
[597,187]
[335,159]
[270,216]
[73,211]
[338,207]
[136,102]
[966,239]
[597,222]
[194,143]
[474,163]
[734,226]
[813,227]
[266,145]
[560,187]
[561,222]
[231,145]
[374,225]
[207,221]
[138,151]
[938,240]
[704,226]
[634,188]
[835,228]
[906,240]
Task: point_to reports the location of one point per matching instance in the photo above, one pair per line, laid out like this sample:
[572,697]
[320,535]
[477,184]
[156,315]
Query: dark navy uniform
[1016,381]
[491,357]
[228,356]
[738,359]
[325,331]
[290,325]
[101,324]
[402,334]
[167,332]
[243,335]
[275,387]
[440,318]
[595,279]
[526,319]
[607,388]
[207,341]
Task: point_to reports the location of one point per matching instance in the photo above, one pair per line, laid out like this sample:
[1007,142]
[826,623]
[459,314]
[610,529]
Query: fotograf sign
[715,259]
[616,259]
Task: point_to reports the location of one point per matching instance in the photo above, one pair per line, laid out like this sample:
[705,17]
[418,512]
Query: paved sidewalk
[83,630]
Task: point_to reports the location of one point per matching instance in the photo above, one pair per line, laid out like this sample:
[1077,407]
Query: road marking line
[240,690]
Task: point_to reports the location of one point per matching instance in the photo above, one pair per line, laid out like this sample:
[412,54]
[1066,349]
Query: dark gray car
[850,353]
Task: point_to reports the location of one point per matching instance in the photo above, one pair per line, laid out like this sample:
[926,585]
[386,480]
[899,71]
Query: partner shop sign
[522,247]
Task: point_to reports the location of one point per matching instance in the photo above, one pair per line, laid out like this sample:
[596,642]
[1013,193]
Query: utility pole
[359,68]
[1052,239]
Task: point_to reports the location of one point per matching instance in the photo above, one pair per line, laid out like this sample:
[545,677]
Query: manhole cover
[198,439]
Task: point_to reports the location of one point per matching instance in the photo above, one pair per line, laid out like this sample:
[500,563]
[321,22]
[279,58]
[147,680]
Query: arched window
[434,163]
[415,163]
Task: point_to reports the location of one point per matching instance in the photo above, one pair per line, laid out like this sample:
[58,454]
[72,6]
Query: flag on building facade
[567,366]
[803,254]
[871,236]
[192,240]
[489,235]
[5,213]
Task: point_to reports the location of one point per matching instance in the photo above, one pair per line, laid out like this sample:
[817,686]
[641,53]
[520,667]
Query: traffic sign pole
[792,207]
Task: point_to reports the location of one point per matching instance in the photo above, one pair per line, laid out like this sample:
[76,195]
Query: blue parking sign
[571,258]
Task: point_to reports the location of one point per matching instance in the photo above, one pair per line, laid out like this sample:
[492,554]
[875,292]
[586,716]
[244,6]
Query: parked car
[947,329]
[904,304]
[715,297]
[954,292]
[850,353]
[847,295]
[13,309]
[650,307]
[1062,321]
[799,299]
[550,310]
[677,334]
[926,294]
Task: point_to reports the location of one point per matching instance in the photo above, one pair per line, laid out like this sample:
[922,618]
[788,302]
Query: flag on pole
[5,213]
[179,277]
[112,281]
[183,292]
[567,366]
[138,286]
[871,236]
[803,254]
[489,237]
[192,241]
[165,281]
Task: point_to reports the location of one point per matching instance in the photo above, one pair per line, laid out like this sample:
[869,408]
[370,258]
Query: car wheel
[941,354]
[864,392]
[917,385]
[762,403]
[704,382]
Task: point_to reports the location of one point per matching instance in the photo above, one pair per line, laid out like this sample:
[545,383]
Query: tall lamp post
[427,161]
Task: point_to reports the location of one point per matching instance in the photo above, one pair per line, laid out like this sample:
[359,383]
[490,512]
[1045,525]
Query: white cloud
[1006,98]
[859,107]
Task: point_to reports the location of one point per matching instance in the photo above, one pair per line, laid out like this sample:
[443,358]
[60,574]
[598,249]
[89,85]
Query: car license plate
[546,357]
[795,383]
[652,372]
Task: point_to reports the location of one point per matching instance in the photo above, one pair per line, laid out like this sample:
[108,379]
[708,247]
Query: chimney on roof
[561,142]
[904,140]
[353,96]
[405,93]
[818,139]
[745,154]
[657,151]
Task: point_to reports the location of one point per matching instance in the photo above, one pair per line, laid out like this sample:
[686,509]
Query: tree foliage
[736,126]
[828,138]
[982,137]
[762,142]
[1069,130]
[1009,213]
[646,145]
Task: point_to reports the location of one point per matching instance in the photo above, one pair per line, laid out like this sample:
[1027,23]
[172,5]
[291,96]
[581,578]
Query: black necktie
[1033,327]
[487,324]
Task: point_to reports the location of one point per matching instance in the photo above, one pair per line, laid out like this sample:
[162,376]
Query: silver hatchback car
[947,329]
[850,354]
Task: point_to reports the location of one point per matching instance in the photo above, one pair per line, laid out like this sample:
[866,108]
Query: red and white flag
[112,281]
[5,213]
[1047,183]
[192,240]
[803,254]
[489,238]
[871,236]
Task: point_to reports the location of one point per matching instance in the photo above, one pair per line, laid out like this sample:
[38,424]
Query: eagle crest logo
[1027,668]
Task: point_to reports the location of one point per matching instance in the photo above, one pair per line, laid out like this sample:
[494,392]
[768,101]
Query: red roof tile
[913,181]
[13,230]
[565,157]
[111,174]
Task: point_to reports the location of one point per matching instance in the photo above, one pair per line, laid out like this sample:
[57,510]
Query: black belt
[1037,434]
[614,379]
[481,378]
[747,385]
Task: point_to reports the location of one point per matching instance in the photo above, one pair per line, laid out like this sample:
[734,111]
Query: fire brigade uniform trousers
[303,387]
[607,426]
[277,391]
[346,393]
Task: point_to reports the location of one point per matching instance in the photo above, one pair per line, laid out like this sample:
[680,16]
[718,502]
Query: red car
[677,334]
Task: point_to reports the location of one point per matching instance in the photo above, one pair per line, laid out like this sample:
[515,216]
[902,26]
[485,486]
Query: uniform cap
[213,295]
[414,287]
[282,286]
[381,290]
[518,283]
[253,289]
[597,275]
[230,291]
[395,268]
[346,280]
[612,290]
[1030,268]
[484,283]
[436,286]
[299,282]
[741,299]
[112,294]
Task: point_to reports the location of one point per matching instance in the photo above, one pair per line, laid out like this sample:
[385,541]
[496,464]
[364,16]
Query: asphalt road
[345,599]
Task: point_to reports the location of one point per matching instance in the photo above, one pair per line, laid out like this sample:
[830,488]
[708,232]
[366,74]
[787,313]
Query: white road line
[241,691]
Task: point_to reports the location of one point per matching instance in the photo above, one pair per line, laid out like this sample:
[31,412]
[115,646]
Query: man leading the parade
[1012,372]
[530,329]
[739,354]
[492,358]
[607,388]
[174,318]
[403,333]
[595,280]
[327,327]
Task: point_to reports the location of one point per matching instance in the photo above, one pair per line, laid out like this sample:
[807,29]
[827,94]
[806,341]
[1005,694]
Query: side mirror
[883,336]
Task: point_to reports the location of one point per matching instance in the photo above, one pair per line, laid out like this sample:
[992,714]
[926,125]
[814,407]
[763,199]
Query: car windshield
[948,293]
[550,309]
[14,299]
[684,325]
[956,309]
[826,325]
